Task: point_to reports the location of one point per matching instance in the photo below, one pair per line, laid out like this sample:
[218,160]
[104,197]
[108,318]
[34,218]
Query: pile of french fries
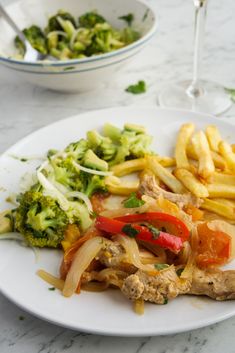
[203,164]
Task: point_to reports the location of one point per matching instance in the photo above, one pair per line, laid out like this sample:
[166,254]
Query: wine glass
[197,95]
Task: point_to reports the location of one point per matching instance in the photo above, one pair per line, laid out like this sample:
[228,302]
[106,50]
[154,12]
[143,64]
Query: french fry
[183,137]
[213,137]
[138,164]
[219,208]
[218,160]
[206,165]
[228,154]
[233,147]
[227,202]
[221,191]
[191,183]
[128,167]
[166,161]
[221,178]
[118,187]
[165,175]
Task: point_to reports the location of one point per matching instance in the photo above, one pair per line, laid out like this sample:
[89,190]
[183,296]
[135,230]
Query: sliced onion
[139,306]
[133,253]
[59,33]
[189,268]
[82,259]
[52,280]
[81,196]
[73,38]
[91,171]
[12,236]
[125,211]
[51,190]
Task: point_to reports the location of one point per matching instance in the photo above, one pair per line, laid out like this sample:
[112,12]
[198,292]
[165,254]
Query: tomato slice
[214,247]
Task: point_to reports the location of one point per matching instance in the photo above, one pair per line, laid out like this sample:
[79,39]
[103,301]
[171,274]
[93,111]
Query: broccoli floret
[53,23]
[104,40]
[90,19]
[66,174]
[92,183]
[133,143]
[19,45]
[40,220]
[77,149]
[129,35]
[36,38]
[103,147]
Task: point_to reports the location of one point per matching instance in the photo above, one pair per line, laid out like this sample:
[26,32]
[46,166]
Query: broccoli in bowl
[67,37]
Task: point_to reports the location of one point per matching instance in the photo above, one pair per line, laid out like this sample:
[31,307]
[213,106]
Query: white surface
[25,108]
[77,74]
[109,312]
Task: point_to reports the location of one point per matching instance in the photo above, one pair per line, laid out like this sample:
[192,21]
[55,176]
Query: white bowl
[76,74]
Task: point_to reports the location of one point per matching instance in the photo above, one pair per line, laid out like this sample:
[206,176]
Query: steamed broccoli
[103,147]
[36,38]
[92,183]
[66,174]
[55,25]
[40,219]
[90,19]
[132,142]
[77,149]
[64,39]
[19,46]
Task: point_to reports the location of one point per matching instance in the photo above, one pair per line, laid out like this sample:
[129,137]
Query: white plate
[109,312]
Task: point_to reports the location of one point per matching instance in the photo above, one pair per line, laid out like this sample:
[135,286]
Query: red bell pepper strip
[139,232]
[179,227]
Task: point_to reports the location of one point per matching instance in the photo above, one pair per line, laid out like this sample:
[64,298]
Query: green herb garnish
[161,267]
[23,159]
[133,201]
[179,271]
[138,88]
[231,91]
[145,15]
[51,153]
[165,301]
[21,317]
[128,18]
[129,230]
[51,288]
[155,232]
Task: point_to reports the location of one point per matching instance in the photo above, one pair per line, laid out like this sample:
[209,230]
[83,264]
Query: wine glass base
[214,99]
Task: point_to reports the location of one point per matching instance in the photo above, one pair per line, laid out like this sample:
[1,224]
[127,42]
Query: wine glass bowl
[197,95]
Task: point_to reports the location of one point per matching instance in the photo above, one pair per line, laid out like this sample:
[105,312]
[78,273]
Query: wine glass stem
[194,89]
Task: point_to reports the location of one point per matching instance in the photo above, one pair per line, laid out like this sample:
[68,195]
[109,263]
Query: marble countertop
[25,108]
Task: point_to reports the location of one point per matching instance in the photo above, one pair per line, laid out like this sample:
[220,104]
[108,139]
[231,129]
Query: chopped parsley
[179,271]
[21,317]
[165,301]
[23,159]
[138,88]
[128,18]
[51,152]
[155,232]
[145,15]
[133,201]
[129,230]
[231,91]
[51,288]
[161,267]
